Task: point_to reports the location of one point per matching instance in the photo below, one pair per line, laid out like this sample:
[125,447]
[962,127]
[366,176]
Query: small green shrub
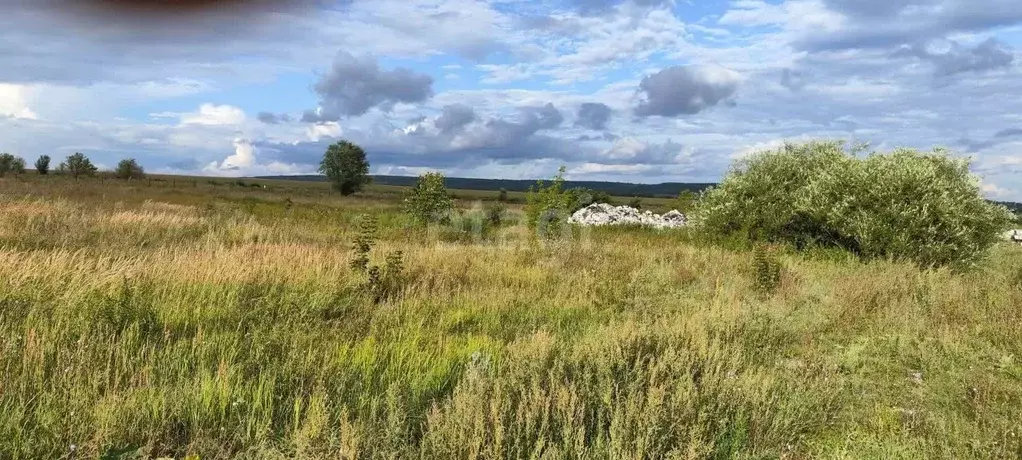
[128,168]
[686,201]
[582,197]
[495,212]
[429,202]
[384,283]
[767,268]
[635,203]
[547,207]
[381,283]
[18,166]
[474,225]
[364,241]
[905,205]
[502,197]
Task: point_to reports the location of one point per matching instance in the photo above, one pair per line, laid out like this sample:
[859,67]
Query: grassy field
[193,317]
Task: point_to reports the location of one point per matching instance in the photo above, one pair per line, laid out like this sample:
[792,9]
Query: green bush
[473,226]
[381,283]
[903,205]
[685,201]
[547,206]
[18,166]
[128,168]
[495,213]
[429,202]
[582,197]
[363,243]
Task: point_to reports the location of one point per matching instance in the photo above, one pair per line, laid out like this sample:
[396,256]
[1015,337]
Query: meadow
[197,318]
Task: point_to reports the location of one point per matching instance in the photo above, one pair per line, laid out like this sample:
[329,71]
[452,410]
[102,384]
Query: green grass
[177,317]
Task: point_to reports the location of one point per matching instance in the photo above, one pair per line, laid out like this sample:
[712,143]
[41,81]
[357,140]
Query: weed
[767,268]
[364,241]
[381,282]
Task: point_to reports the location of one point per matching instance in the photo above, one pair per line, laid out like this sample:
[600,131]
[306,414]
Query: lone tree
[128,168]
[42,165]
[77,165]
[345,165]
[429,202]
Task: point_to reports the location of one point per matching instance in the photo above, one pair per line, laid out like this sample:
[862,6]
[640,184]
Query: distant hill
[667,189]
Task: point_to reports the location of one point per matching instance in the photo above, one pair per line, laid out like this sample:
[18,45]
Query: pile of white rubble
[1014,236]
[605,214]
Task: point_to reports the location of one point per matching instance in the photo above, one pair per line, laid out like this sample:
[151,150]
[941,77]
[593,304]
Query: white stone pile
[605,214]
[1014,236]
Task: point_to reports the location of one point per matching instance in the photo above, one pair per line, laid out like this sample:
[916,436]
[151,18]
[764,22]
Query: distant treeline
[1014,207]
[664,190]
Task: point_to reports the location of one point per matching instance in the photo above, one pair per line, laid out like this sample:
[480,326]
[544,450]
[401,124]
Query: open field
[194,316]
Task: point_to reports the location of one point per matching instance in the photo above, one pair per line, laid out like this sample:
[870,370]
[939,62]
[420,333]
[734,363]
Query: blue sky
[629,90]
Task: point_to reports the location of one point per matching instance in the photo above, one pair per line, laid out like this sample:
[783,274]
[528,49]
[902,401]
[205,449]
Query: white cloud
[993,191]
[213,115]
[14,102]
[245,161]
[321,130]
[244,155]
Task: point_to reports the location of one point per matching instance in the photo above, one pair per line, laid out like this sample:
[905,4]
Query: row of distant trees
[75,165]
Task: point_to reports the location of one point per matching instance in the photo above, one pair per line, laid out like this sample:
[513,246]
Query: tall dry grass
[161,321]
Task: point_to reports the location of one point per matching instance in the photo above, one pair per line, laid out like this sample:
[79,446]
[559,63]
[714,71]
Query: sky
[624,90]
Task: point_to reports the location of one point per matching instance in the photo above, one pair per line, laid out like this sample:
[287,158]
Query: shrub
[380,283]
[635,203]
[364,241]
[345,165]
[77,165]
[905,205]
[18,166]
[582,197]
[42,165]
[685,201]
[495,213]
[474,225]
[547,206]
[767,268]
[6,163]
[429,202]
[128,168]
[502,197]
